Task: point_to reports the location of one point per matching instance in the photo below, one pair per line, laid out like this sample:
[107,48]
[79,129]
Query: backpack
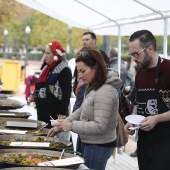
[125,105]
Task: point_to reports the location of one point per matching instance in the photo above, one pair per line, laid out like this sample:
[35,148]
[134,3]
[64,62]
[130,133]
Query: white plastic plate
[134,119]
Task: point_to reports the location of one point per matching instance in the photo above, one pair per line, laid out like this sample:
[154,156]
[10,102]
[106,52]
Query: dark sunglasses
[86,53]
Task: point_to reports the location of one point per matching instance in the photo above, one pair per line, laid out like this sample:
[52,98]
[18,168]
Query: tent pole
[165,38]
[119,49]
[119,33]
[165,25]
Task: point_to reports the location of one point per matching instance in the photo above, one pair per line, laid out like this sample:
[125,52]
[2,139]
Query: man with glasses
[152,101]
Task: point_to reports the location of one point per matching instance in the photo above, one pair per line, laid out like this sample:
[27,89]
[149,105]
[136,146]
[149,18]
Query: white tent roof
[110,17]
[104,16]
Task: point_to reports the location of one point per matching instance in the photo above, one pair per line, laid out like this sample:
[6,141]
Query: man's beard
[146,62]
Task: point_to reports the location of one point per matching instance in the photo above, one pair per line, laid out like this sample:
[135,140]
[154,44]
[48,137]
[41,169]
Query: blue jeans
[78,146]
[96,156]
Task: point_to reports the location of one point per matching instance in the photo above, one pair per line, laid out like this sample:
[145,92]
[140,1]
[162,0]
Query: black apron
[153,147]
[46,103]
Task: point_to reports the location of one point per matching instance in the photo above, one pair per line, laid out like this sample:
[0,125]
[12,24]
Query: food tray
[4,95]
[3,121]
[13,114]
[30,152]
[7,104]
[34,168]
[21,124]
[56,143]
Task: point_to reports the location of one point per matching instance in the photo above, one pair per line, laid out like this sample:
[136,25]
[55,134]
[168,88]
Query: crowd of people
[96,83]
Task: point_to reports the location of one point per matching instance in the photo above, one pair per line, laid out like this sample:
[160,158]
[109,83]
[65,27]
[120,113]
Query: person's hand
[31,98]
[127,89]
[148,123]
[129,131]
[53,131]
[64,125]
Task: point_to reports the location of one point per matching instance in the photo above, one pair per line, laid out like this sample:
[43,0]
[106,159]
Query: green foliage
[126,58]
[8,12]
[30,56]
[34,56]
[98,47]
[47,29]
[1,55]
[44,29]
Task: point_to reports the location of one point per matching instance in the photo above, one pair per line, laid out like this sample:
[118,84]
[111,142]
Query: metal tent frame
[99,16]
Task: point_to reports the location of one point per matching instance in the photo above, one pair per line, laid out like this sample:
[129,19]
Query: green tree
[44,29]
[9,9]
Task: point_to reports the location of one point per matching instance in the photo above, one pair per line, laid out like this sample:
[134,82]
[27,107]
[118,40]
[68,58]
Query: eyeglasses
[136,54]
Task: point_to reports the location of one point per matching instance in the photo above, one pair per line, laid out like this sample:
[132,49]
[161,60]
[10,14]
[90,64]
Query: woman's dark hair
[145,37]
[94,60]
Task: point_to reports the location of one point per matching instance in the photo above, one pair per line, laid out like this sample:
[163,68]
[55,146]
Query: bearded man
[152,101]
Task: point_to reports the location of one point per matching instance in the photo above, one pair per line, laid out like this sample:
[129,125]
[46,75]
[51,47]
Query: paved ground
[119,162]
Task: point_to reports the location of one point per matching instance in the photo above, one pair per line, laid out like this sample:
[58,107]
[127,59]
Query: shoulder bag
[122,136]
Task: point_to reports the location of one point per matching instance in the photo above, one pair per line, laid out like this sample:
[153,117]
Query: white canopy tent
[110,17]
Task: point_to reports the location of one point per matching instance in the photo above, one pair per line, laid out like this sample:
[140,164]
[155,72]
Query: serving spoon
[41,128]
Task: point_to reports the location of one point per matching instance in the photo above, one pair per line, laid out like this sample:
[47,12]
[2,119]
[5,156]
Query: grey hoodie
[96,120]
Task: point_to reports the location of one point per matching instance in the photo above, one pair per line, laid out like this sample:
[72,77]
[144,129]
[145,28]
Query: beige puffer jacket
[96,120]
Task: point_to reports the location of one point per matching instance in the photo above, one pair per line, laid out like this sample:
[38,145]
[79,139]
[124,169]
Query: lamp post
[5,44]
[27,31]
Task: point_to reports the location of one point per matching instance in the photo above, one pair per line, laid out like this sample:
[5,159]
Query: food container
[34,168]
[8,104]
[55,143]
[3,122]
[53,122]
[4,119]
[14,155]
[4,96]
[13,114]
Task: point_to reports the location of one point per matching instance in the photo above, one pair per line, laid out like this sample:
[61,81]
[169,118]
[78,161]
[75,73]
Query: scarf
[43,76]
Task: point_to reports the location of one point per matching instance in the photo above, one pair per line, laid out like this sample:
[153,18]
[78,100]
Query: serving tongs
[40,129]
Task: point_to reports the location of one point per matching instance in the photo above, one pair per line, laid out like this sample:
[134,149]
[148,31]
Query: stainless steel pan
[34,168]
[55,143]
[13,114]
[6,152]
[4,96]
[6,104]
[3,121]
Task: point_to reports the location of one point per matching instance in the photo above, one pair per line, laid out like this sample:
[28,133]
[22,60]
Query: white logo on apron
[57,91]
[151,107]
[42,93]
